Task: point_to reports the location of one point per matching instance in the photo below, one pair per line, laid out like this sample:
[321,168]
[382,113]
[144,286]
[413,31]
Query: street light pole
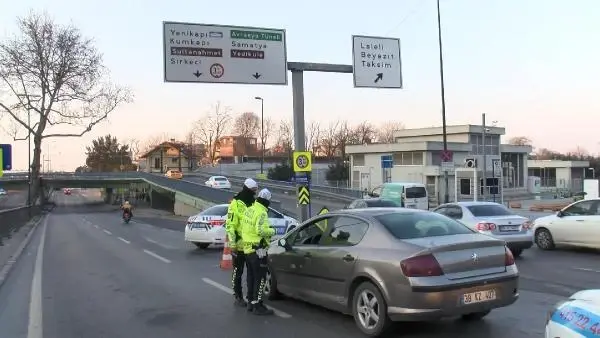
[29,158]
[443,97]
[262,132]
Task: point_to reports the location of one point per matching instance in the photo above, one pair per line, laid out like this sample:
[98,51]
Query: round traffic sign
[302,161]
[217,70]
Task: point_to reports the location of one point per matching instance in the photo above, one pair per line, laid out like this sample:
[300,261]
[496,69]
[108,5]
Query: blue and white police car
[577,317]
[208,227]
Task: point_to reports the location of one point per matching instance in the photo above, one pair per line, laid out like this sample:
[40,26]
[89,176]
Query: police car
[577,317]
[208,227]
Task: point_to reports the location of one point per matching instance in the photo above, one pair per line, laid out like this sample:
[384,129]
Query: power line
[415,9]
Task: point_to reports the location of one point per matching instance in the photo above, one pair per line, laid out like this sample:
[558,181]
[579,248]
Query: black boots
[239,301]
[259,309]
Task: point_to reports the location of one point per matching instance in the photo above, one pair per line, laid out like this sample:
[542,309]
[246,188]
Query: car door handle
[579,220]
[348,258]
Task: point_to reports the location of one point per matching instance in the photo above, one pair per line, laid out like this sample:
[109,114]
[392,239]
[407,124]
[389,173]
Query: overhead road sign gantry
[206,53]
[302,161]
[376,62]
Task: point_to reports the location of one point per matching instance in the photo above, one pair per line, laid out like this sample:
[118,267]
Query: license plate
[509,228]
[199,227]
[479,297]
[411,206]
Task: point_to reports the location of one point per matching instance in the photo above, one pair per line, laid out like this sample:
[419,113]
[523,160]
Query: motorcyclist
[257,233]
[127,207]
[235,213]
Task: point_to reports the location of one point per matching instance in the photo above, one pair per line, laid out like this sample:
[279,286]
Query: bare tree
[385,131]
[134,147]
[211,127]
[269,128]
[579,153]
[363,133]
[52,74]
[313,136]
[344,136]
[247,125]
[519,141]
[285,135]
[329,139]
[153,141]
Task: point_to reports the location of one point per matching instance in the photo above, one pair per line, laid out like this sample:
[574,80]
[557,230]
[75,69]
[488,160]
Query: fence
[11,220]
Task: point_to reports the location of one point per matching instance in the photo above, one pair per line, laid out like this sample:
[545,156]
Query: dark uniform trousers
[239,260]
[258,268]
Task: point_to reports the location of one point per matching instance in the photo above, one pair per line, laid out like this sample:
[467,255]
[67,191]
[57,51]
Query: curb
[7,268]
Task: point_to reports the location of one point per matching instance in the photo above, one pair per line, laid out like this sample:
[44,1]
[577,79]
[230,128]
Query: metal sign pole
[299,145]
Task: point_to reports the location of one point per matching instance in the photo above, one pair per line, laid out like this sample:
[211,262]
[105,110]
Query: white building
[416,156]
[559,175]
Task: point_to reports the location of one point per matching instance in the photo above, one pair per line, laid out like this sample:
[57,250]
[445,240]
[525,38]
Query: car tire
[475,315]
[363,306]
[516,252]
[543,239]
[271,292]
[202,245]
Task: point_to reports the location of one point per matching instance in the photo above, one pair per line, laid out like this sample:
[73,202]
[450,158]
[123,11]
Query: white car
[578,224]
[219,182]
[578,317]
[2,192]
[208,227]
[492,219]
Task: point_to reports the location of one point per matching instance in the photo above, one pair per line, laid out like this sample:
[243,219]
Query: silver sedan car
[393,264]
[492,219]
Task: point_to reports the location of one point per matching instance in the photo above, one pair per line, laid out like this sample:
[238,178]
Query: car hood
[590,296]
[545,220]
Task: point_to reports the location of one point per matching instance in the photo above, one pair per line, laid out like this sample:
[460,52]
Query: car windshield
[217,210]
[220,179]
[376,203]
[485,210]
[409,225]
[416,192]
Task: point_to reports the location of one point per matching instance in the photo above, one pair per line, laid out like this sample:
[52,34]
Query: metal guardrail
[341,194]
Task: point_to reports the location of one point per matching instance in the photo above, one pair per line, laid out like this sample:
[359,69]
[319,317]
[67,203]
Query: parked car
[578,224]
[67,191]
[408,195]
[492,219]
[372,203]
[175,174]
[207,227]
[218,182]
[392,264]
[2,192]
[576,317]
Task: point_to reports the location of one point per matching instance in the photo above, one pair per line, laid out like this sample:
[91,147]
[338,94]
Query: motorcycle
[126,217]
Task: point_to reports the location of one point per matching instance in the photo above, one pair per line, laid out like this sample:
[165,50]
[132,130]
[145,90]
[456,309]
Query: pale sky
[530,65]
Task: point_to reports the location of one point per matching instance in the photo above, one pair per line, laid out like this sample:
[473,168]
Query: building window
[491,144]
[358,160]
[408,158]
[436,158]
[174,160]
[156,163]
[252,141]
[547,176]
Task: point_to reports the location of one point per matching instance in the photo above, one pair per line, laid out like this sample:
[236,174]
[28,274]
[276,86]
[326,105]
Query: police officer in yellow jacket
[233,226]
[256,234]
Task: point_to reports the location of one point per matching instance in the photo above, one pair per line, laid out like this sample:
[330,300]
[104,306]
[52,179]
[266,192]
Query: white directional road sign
[376,62]
[224,54]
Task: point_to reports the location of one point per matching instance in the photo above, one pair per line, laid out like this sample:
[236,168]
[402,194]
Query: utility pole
[443,97]
[262,132]
[483,135]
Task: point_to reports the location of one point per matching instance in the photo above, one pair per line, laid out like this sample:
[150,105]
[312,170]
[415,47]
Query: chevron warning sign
[303,195]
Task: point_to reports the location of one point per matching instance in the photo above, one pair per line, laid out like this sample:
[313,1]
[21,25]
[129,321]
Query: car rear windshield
[217,210]
[489,210]
[381,204]
[408,225]
[222,179]
[416,192]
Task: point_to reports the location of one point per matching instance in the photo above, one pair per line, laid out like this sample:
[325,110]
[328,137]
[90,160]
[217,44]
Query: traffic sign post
[205,53]
[376,62]
[447,156]
[5,158]
[496,168]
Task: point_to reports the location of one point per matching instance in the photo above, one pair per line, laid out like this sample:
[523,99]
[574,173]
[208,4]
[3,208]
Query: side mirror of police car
[284,244]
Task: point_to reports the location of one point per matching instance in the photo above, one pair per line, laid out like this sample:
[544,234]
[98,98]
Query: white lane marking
[587,270]
[107,232]
[157,256]
[123,240]
[225,289]
[150,240]
[97,227]
[35,326]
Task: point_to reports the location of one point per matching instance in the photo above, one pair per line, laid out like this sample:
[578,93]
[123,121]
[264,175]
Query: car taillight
[509,259]
[421,266]
[527,225]
[485,226]
[217,223]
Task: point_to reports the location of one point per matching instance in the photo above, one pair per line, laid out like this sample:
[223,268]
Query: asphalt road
[14,199]
[288,202]
[85,274]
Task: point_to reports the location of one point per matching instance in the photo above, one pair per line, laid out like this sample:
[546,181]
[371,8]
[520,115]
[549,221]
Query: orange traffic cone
[226,259]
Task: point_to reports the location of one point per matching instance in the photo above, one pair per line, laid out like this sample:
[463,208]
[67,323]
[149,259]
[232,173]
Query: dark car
[372,203]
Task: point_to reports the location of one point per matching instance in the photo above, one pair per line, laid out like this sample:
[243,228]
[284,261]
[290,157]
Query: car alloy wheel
[544,240]
[367,308]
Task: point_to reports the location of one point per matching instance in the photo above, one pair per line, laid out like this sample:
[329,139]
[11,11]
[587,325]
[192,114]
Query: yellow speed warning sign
[302,161]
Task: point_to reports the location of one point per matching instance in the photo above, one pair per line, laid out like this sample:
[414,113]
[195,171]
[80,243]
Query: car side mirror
[284,244]
[560,213]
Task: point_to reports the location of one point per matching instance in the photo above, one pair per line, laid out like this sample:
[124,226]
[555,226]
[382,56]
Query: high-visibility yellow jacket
[256,228]
[233,224]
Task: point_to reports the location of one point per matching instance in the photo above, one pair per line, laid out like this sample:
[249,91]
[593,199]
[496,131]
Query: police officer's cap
[264,194]
[250,184]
